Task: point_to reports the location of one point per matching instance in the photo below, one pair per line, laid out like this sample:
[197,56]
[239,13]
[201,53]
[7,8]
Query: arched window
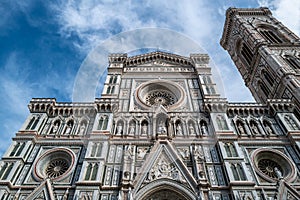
[15,149]
[96,150]
[247,53]
[292,61]
[88,172]
[30,123]
[264,89]
[270,36]
[230,150]
[238,172]
[91,172]
[108,90]
[115,79]
[103,122]
[33,123]
[20,149]
[112,90]
[5,170]
[221,122]
[111,79]
[268,78]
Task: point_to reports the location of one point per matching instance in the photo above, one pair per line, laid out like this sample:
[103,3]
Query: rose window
[160,97]
[55,164]
[56,168]
[272,165]
[269,168]
[169,94]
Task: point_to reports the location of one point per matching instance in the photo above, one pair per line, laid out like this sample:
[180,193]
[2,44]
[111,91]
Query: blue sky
[43,43]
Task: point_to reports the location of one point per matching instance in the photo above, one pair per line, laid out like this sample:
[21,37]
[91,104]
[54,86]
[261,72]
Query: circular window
[272,165]
[269,168]
[160,92]
[54,164]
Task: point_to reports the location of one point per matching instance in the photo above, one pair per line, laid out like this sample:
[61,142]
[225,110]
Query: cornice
[231,13]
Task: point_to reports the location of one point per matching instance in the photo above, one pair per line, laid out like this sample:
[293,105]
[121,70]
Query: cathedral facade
[161,131]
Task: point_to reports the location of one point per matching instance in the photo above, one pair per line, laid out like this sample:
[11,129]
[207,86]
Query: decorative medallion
[273,165]
[270,168]
[54,164]
[160,92]
[57,167]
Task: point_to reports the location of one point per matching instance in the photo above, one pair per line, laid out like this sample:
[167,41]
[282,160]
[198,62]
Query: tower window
[270,36]
[246,53]
[292,61]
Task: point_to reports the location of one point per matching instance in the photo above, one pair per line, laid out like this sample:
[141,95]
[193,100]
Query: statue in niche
[179,129]
[254,129]
[241,129]
[144,129]
[162,128]
[132,129]
[82,129]
[69,128]
[204,128]
[192,129]
[55,127]
[119,129]
[268,129]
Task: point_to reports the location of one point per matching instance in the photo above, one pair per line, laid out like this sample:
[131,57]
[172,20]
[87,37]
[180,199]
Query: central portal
[165,194]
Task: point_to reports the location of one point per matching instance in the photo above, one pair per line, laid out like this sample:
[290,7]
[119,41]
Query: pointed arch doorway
[164,192]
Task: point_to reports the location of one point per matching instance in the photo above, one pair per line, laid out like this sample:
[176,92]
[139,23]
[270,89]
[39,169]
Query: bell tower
[266,53]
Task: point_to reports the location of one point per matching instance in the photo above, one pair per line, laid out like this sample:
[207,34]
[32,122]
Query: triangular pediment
[159,59]
[44,191]
[164,165]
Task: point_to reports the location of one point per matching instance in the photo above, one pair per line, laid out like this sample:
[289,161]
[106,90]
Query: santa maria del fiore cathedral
[161,131]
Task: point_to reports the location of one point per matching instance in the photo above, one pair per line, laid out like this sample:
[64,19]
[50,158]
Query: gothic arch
[270,33]
[168,186]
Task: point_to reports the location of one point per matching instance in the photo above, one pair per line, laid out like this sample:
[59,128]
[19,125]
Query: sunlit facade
[161,131]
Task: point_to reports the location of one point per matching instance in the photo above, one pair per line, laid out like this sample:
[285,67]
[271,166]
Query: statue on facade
[191,129]
[179,129]
[119,129]
[68,129]
[204,129]
[55,128]
[162,128]
[144,129]
[82,129]
[254,129]
[268,129]
[132,129]
[241,129]
[278,173]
